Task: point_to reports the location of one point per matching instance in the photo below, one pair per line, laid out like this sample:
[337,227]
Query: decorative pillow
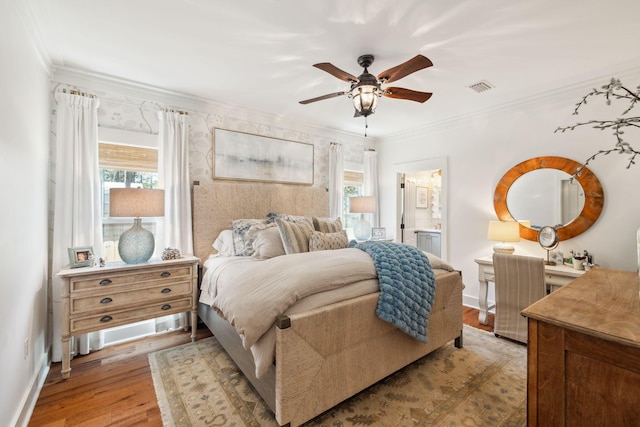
[327,225]
[224,243]
[319,241]
[268,243]
[295,235]
[242,236]
[271,217]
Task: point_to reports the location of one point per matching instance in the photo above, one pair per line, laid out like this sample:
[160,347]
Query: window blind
[125,157]
[353,178]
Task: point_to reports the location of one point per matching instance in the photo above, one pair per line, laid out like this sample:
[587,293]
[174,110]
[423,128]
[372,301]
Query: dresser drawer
[118,298]
[104,280]
[109,319]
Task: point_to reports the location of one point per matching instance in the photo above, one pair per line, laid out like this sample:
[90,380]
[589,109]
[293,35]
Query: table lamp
[362,205]
[504,231]
[136,245]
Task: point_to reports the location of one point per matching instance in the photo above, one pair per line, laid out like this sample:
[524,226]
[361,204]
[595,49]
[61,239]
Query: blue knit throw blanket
[407,285]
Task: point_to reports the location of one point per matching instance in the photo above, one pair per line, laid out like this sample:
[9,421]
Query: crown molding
[170,99]
[543,98]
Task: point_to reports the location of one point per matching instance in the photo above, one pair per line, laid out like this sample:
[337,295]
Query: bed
[325,354]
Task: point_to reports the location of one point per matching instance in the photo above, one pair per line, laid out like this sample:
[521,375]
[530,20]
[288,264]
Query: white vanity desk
[556,276]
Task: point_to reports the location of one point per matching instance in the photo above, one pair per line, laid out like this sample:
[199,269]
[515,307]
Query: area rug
[482,384]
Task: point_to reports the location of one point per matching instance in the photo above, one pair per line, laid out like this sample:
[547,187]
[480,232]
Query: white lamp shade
[504,231]
[362,204]
[136,202]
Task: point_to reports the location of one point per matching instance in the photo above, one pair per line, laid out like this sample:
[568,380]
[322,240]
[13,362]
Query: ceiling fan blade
[416,63]
[336,72]
[320,98]
[402,93]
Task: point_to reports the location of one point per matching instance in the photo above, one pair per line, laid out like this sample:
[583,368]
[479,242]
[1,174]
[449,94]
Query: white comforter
[252,293]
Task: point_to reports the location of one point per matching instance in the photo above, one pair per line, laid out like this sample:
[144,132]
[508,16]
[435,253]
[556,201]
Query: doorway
[421,205]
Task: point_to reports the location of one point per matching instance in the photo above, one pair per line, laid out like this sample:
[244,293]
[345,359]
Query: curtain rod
[144,104]
[77,92]
[171,110]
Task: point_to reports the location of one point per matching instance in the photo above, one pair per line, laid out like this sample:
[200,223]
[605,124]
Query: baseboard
[469,301]
[30,399]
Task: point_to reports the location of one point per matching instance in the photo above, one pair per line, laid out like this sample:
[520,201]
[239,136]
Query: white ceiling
[258,54]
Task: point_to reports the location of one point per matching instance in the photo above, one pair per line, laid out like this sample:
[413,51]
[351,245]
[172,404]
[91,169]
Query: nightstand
[95,298]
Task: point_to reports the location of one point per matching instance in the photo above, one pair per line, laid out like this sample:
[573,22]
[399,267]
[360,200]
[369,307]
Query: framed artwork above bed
[247,157]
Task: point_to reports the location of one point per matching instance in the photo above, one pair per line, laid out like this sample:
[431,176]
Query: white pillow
[268,243]
[243,234]
[224,243]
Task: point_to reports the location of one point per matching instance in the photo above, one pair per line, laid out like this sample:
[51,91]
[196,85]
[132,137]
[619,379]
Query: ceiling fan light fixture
[365,99]
[366,88]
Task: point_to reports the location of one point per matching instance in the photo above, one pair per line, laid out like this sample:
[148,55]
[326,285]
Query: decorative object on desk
[557,257]
[362,205]
[548,239]
[80,256]
[422,197]
[170,253]
[579,259]
[378,233]
[136,245]
[102,262]
[504,231]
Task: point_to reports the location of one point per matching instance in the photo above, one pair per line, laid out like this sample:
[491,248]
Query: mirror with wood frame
[592,202]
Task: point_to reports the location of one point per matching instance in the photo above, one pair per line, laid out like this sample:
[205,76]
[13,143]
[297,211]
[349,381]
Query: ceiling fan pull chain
[366,125]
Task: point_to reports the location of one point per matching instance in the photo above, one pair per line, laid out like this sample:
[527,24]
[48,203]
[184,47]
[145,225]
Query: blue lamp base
[362,229]
[136,245]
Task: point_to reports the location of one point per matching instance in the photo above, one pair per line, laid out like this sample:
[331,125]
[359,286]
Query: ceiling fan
[366,88]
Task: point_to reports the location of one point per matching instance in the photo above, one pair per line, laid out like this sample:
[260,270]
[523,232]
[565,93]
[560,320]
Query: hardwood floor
[113,386]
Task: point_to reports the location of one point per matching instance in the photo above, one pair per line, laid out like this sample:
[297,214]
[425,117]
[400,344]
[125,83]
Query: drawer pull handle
[106,300]
[106,319]
[165,274]
[105,282]
[166,307]
[166,290]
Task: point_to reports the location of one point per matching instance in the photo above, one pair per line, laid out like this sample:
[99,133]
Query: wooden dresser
[96,298]
[583,366]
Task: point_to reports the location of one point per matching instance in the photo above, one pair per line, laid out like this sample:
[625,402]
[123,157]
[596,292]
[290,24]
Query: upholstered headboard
[217,203]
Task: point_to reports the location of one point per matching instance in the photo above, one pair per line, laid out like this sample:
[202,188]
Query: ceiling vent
[481,86]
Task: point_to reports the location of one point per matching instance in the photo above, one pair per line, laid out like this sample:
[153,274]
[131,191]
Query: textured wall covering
[136,115]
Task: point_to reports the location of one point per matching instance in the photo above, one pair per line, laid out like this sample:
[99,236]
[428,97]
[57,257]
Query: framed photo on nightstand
[378,233]
[80,257]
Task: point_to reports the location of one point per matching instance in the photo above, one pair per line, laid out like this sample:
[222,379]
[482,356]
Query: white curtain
[174,229]
[77,200]
[370,183]
[336,180]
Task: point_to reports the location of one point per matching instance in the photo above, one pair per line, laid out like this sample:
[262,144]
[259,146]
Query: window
[125,160]
[352,186]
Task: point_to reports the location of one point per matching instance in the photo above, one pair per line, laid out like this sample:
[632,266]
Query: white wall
[24,154]
[480,149]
